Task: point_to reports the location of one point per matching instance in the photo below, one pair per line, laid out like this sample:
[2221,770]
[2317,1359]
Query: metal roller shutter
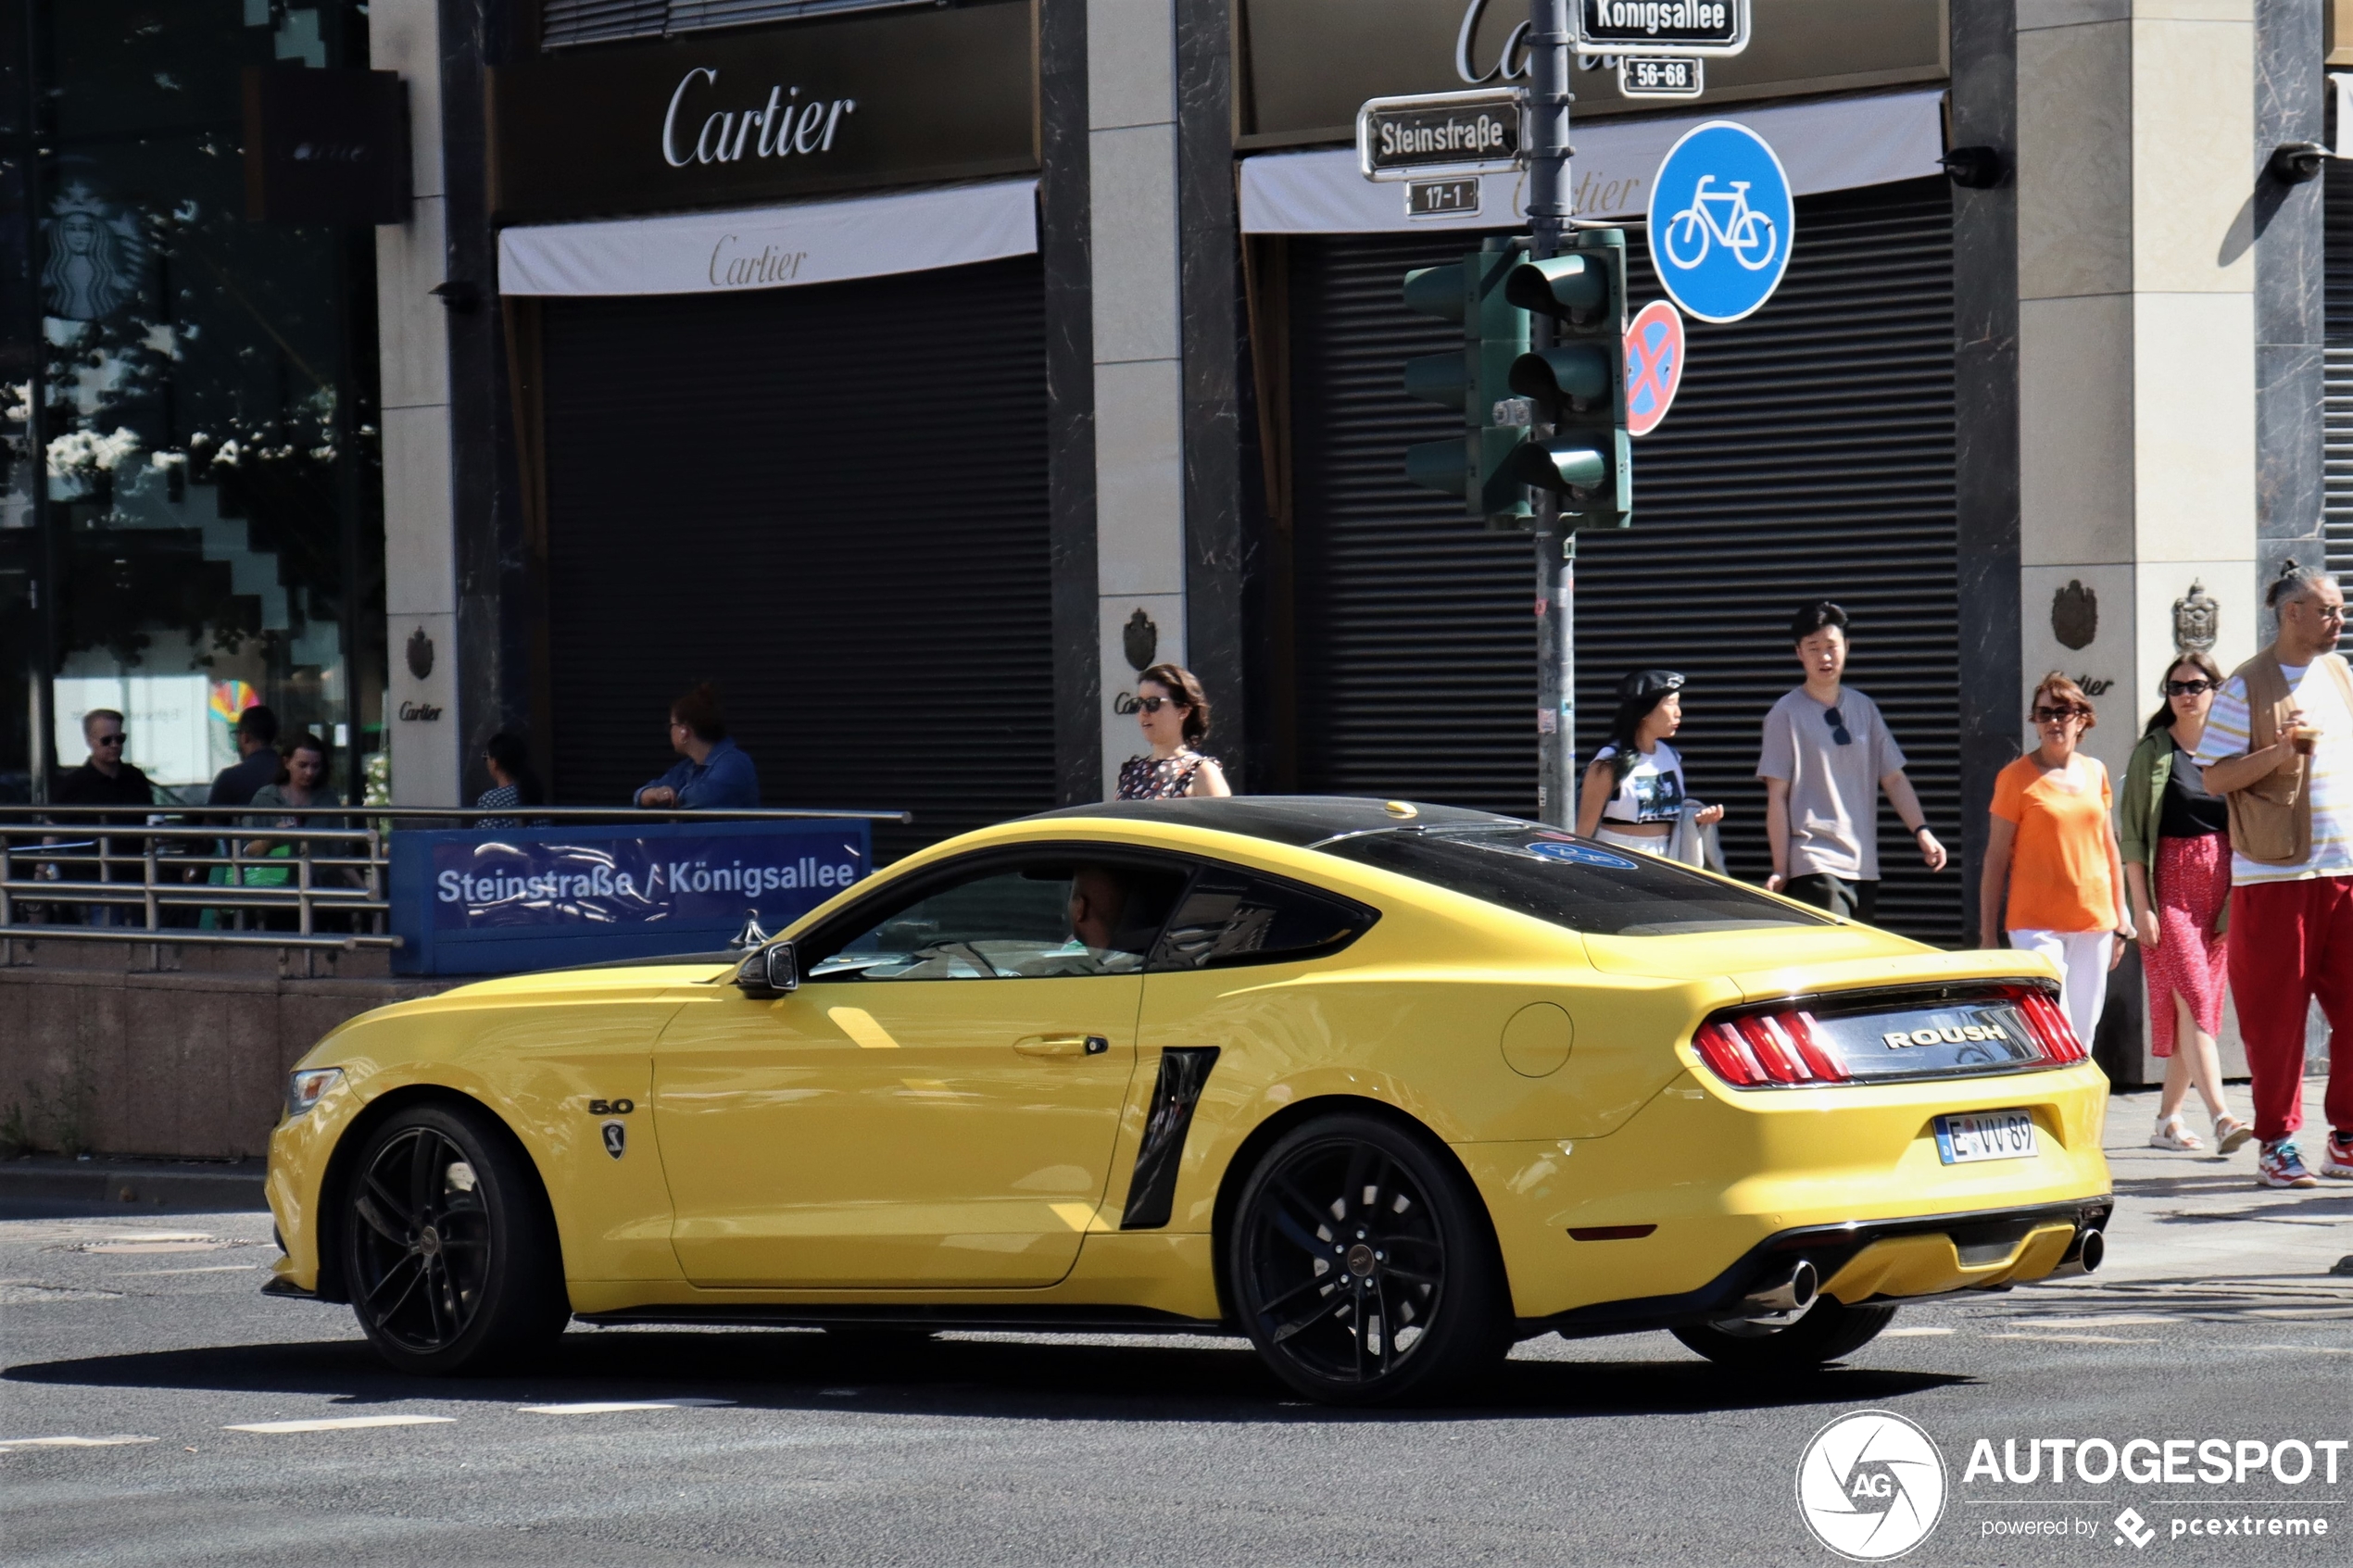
[2337,418]
[1810,454]
[735,491]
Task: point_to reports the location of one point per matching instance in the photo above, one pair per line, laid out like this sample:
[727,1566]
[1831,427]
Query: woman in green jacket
[2176,842]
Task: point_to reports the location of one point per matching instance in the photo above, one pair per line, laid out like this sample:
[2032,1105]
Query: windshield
[1569,881]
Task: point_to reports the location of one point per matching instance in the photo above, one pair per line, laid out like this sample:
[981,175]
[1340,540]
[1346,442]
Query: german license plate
[1985,1135]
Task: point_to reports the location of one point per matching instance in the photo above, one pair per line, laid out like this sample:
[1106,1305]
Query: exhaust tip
[2094,1249]
[1792,1291]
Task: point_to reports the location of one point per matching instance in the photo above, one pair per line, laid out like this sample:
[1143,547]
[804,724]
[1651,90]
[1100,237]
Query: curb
[131,1187]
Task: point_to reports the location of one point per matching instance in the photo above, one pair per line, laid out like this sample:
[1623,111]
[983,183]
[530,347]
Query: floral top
[495,795]
[1161,778]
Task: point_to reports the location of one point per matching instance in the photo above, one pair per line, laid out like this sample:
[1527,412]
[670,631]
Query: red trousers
[2292,942]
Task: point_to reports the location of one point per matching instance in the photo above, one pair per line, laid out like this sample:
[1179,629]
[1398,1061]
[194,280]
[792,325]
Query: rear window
[1569,881]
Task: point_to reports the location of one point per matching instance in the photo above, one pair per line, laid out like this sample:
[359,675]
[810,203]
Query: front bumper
[1875,1260]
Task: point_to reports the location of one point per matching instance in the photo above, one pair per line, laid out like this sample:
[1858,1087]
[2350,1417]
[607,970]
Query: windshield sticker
[1580,855]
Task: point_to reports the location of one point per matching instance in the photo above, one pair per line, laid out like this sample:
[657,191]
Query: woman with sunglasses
[2177,869]
[1173,711]
[2053,873]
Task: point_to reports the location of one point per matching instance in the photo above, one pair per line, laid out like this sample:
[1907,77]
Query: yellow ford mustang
[1384,1087]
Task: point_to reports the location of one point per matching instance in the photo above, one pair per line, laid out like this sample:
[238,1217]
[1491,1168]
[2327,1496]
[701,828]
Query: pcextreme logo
[1870,1485]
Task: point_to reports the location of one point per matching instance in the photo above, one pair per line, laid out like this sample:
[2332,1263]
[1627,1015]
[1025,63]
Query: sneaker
[2171,1133]
[2336,1157]
[2280,1166]
[2231,1134]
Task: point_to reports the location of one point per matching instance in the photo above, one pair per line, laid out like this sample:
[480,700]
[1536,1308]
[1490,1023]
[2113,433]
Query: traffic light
[1482,464]
[1578,384]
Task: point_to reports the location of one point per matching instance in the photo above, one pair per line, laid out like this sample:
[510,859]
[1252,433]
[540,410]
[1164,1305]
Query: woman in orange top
[2054,846]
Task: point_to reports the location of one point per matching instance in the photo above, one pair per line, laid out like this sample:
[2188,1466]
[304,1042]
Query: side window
[1236,917]
[1042,920]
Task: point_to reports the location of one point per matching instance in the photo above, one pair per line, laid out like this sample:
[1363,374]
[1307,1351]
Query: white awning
[771,247]
[1832,145]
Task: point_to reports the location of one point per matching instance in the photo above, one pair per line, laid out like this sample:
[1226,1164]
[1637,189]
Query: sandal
[2171,1133]
[2231,1134]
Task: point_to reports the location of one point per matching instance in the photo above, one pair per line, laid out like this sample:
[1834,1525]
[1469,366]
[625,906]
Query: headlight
[304,1088]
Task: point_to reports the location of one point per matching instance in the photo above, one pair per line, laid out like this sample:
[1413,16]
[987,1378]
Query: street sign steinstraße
[1440,134]
[1662,26]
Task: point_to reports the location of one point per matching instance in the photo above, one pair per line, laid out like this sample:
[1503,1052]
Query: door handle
[1062,1044]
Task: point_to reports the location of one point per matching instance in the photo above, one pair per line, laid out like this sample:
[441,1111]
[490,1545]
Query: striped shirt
[2322,699]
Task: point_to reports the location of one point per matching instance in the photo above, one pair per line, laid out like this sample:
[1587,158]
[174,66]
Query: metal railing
[316,879]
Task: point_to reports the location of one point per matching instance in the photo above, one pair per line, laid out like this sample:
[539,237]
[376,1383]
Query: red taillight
[2053,1034]
[1823,1055]
[1725,1056]
[1768,1047]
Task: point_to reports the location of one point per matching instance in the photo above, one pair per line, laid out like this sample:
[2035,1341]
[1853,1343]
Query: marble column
[1137,355]
[2290,294]
[1065,249]
[421,584]
[2138,474]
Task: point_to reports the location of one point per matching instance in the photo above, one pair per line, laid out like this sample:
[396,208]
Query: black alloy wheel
[1824,1331]
[449,1257]
[1363,1268]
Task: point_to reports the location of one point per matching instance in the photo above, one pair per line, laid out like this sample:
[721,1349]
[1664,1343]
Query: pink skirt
[2192,883]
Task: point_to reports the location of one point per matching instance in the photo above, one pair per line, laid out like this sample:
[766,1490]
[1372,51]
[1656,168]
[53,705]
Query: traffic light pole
[1548,216]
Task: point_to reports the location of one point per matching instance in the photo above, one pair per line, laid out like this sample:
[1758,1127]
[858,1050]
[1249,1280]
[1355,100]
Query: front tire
[1363,1267]
[449,1255]
[1824,1331]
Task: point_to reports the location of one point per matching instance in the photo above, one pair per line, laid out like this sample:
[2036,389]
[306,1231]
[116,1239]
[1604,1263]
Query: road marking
[2074,1338]
[207,1269]
[839,1393]
[1911,1332]
[121,1248]
[609,1407]
[2118,1322]
[2316,1349]
[341,1424]
[10,1445]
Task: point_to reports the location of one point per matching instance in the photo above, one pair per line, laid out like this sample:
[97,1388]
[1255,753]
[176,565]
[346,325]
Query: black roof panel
[1297,819]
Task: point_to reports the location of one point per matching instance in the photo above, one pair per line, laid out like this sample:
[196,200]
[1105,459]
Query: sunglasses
[2056,715]
[1837,723]
[1154,704]
[107,740]
[2188,688]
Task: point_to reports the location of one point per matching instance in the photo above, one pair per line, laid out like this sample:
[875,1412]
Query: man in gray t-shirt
[1826,757]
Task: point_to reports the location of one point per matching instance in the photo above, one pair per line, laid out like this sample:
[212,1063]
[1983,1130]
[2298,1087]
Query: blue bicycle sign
[1720,221]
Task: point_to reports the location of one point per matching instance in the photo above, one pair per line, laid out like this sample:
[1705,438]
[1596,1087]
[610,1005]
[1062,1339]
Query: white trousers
[2081,958]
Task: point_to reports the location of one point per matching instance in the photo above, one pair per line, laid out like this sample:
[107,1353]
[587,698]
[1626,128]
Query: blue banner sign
[499,901]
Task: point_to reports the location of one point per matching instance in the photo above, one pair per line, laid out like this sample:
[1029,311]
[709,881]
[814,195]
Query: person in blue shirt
[716,774]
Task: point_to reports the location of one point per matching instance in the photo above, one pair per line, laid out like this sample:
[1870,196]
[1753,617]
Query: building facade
[920,373]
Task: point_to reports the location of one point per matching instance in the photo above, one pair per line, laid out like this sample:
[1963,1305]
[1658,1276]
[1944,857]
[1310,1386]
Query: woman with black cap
[1633,792]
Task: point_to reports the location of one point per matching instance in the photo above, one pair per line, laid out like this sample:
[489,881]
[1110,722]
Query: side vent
[1184,1072]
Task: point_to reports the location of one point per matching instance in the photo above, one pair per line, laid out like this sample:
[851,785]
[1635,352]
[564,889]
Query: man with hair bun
[714,773]
[2279,747]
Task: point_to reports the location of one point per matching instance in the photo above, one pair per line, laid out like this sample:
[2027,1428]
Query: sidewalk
[44,1187]
[2193,1217]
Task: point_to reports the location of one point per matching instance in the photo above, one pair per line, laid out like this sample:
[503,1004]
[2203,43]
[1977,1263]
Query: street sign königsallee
[1438,132]
[1662,26]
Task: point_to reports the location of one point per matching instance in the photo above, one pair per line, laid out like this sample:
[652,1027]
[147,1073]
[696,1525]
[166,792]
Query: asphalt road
[145,1339]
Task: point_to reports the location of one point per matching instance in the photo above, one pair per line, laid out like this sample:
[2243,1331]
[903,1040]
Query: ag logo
[1872,1485]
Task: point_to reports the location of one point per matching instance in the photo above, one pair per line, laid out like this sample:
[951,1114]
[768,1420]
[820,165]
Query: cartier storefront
[775,312]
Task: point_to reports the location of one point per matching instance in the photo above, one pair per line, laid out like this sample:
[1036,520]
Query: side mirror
[770,971]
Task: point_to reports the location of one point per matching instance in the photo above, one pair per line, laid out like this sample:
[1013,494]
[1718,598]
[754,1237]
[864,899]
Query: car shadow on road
[1219,1381]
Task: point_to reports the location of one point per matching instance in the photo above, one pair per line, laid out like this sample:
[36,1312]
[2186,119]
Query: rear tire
[1824,1331]
[1363,1267]
[449,1255]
